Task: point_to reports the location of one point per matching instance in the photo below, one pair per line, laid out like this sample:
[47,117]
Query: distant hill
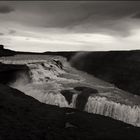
[6,52]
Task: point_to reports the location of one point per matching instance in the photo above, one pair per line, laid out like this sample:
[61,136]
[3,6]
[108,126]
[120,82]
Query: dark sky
[69,25]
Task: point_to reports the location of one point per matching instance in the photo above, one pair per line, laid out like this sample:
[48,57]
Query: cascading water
[125,113]
[46,80]
[49,75]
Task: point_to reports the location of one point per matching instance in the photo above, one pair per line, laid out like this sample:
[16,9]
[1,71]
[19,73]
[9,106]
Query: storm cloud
[82,16]
[93,24]
[1,34]
[4,9]
[12,31]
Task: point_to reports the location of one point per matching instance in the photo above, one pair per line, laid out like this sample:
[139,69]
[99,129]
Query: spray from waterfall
[76,59]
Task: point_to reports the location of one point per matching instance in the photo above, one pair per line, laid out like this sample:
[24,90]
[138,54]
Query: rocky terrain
[23,117]
[120,68]
[43,97]
[6,52]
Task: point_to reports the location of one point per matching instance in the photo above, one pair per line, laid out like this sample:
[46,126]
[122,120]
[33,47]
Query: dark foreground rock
[9,73]
[24,118]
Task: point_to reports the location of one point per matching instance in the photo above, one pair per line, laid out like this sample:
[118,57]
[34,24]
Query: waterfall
[55,99]
[73,103]
[42,72]
[122,112]
[46,80]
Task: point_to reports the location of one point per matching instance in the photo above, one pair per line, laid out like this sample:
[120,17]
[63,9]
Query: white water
[125,113]
[45,79]
[46,83]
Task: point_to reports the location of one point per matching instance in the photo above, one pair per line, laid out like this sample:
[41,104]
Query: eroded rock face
[9,73]
[82,93]
[68,94]
[82,98]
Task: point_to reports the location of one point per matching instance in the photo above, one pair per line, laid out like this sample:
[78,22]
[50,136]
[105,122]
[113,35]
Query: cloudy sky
[69,25]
